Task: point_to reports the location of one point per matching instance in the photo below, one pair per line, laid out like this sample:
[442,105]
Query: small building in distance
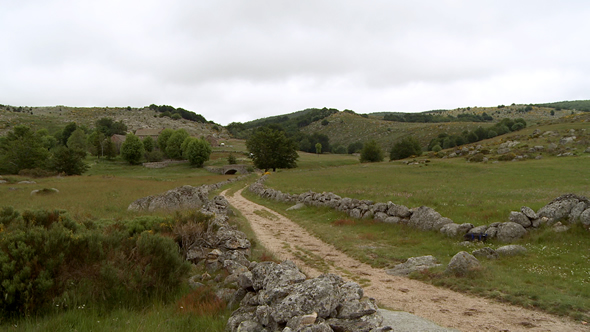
[118,140]
[148,132]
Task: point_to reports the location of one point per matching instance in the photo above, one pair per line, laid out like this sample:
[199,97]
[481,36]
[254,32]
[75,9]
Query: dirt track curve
[287,240]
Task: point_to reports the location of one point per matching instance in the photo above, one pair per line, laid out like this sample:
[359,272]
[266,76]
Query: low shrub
[48,260]
[343,222]
[36,173]
[154,156]
[476,158]
[507,157]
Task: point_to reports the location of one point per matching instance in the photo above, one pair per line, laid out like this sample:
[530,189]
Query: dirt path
[287,240]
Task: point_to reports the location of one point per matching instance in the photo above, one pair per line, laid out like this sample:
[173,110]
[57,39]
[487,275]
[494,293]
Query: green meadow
[553,276]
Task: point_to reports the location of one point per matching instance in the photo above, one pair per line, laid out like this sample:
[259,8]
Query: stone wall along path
[287,240]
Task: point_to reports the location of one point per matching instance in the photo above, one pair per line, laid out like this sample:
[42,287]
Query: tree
[231,159]
[407,147]
[110,150]
[132,149]
[109,127]
[174,144]
[318,148]
[68,130]
[354,147]
[77,140]
[163,139]
[148,144]
[270,148]
[68,161]
[198,151]
[371,152]
[21,149]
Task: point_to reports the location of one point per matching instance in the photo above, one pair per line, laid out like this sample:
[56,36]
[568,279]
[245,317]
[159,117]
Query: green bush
[436,148]
[371,152]
[231,159]
[477,158]
[132,149]
[154,156]
[407,147]
[507,157]
[36,173]
[49,260]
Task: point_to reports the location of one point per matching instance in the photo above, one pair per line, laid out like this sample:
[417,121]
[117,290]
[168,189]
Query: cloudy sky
[232,60]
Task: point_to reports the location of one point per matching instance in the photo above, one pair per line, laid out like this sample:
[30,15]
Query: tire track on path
[287,240]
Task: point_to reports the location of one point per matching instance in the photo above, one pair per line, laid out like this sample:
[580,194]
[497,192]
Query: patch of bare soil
[287,240]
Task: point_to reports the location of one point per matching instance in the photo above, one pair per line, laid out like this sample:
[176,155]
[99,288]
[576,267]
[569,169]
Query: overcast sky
[233,60]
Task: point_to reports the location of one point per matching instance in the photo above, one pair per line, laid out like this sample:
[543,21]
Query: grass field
[465,192]
[554,276]
[102,195]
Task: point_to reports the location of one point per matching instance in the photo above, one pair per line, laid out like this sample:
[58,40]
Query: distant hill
[342,128]
[578,105]
[56,117]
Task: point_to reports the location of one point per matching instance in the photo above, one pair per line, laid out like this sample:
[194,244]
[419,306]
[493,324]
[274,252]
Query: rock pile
[571,207]
[278,297]
[269,296]
[181,198]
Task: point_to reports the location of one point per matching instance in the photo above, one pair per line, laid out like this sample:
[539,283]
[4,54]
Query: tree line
[39,153]
[446,141]
[177,113]
[427,118]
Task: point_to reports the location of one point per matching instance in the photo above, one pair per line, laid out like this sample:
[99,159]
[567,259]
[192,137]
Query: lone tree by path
[270,148]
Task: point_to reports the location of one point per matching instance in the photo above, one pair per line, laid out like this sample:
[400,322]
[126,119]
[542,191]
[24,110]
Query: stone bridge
[229,169]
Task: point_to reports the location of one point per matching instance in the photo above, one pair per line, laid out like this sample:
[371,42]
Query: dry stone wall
[569,208]
[268,296]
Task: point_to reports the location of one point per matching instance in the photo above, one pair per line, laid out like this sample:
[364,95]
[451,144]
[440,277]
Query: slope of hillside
[344,128]
[57,117]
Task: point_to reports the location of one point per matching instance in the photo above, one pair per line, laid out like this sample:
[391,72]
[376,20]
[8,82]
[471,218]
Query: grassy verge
[553,276]
[155,317]
[105,191]
[465,192]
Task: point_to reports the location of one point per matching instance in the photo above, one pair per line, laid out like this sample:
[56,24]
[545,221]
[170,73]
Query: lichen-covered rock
[530,213]
[486,252]
[585,217]
[381,216]
[462,263]
[576,212]
[510,231]
[400,211]
[414,264]
[511,250]
[354,309]
[424,218]
[478,230]
[392,220]
[520,218]
[269,275]
[450,230]
[314,295]
[181,198]
[232,239]
[440,223]
[561,207]
[492,232]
